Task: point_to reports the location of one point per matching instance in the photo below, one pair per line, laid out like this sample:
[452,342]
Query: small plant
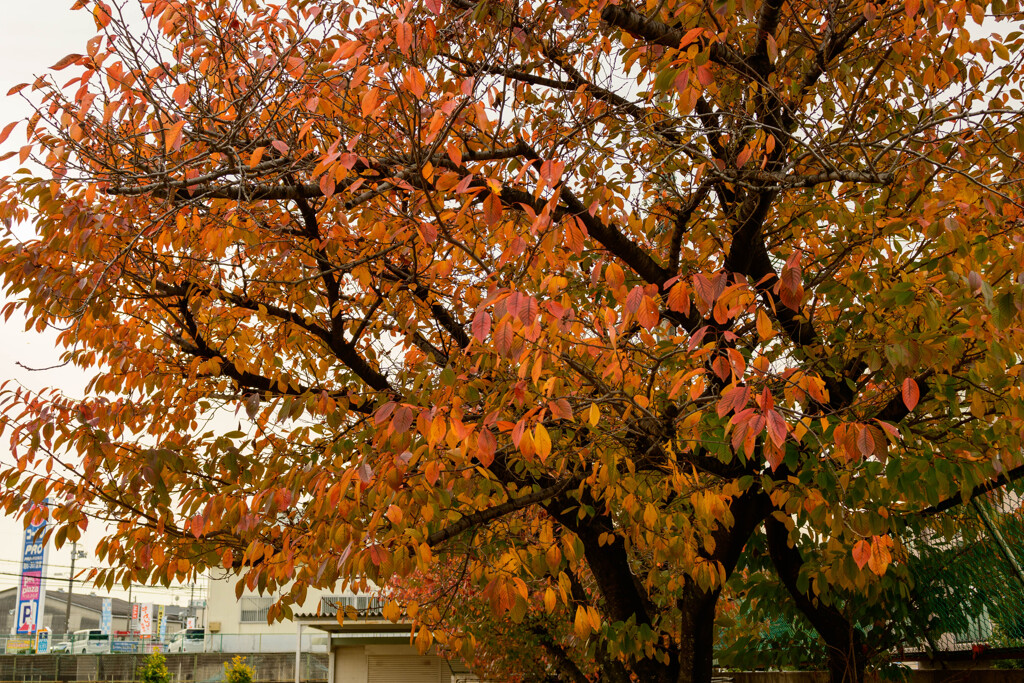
[237,671]
[154,670]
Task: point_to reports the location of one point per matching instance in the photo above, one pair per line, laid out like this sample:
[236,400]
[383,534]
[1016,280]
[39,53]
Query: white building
[240,624]
[365,649]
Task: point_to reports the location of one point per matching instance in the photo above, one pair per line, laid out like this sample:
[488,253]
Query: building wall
[349,665]
[227,632]
[395,662]
[224,610]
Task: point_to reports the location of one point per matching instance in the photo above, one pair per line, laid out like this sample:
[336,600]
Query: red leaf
[385,412]
[492,209]
[503,338]
[486,445]
[705,76]
[481,325]
[633,299]
[865,443]
[774,455]
[402,420]
[517,432]
[776,427]
[526,309]
[721,367]
[889,429]
[705,289]
[560,408]
[733,399]
[911,394]
[280,146]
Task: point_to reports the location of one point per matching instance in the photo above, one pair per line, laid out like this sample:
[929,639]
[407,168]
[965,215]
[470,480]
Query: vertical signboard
[161,623]
[145,620]
[43,641]
[107,616]
[31,592]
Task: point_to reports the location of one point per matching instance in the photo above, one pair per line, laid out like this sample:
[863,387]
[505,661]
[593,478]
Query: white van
[90,641]
[187,640]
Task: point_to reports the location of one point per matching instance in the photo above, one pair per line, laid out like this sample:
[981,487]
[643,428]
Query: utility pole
[75,554]
[191,605]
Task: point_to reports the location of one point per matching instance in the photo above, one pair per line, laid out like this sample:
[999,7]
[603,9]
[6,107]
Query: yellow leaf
[391,611]
[594,415]
[550,599]
[764,325]
[650,516]
[581,625]
[542,442]
[614,276]
[553,557]
[423,640]
[880,555]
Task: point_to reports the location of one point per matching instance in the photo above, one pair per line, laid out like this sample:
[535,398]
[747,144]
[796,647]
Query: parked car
[90,641]
[187,640]
[60,648]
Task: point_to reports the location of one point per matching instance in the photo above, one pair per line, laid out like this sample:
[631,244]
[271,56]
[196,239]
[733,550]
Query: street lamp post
[75,554]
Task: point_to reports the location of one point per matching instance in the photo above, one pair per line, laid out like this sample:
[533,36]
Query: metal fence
[238,643]
[184,668]
[969,584]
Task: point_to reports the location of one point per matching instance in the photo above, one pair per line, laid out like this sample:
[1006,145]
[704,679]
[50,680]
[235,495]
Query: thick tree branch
[498,511]
[1004,479]
[660,33]
[846,661]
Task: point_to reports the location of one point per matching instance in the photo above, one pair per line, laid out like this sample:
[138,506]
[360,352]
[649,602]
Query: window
[254,610]
[362,605]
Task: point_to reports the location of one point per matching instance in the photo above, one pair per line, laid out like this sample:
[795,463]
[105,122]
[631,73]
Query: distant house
[86,609]
[365,649]
[240,624]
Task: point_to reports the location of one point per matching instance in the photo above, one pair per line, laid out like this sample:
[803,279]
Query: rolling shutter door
[404,669]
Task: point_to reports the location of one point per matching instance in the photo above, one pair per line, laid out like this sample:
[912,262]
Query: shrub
[154,670]
[238,671]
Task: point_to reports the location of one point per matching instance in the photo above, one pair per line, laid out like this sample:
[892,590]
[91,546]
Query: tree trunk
[696,645]
[696,648]
[843,641]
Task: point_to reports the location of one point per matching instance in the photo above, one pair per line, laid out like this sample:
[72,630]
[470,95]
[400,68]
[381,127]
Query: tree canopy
[553,304]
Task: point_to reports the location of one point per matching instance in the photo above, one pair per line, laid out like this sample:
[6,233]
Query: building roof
[94,603]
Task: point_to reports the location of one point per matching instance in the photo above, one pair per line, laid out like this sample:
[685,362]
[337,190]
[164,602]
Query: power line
[88,582]
[64,566]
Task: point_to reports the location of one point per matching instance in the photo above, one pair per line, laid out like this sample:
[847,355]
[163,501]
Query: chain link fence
[969,581]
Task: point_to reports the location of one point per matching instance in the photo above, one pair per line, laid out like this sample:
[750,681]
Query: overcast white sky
[33,36]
